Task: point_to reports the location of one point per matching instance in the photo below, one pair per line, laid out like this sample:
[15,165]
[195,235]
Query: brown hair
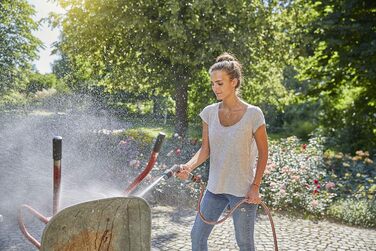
[228,63]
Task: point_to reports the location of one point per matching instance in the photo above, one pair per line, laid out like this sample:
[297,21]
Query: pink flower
[316,181]
[178,151]
[271,165]
[285,169]
[330,185]
[368,161]
[273,184]
[318,186]
[314,203]
[282,192]
[315,191]
[304,146]
[356,158]
[359,152]
[295,177]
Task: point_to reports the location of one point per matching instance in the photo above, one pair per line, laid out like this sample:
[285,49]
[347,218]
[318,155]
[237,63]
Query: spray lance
[175,169]
[170,172]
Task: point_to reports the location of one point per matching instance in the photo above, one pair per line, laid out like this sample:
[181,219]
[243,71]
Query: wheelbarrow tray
[112,224]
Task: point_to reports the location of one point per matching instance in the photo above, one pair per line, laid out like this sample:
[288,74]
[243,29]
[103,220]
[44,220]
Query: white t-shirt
[233,150]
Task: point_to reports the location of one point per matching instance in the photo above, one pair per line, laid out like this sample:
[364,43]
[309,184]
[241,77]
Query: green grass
[152,127]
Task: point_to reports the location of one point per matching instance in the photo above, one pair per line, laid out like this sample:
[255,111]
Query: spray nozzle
[170,172]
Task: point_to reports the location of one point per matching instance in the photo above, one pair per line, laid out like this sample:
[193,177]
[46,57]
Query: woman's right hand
[184,172]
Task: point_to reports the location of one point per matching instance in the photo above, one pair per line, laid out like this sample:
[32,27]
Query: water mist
[90,159]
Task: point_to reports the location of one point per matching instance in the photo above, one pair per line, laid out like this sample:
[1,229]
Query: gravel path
[171,231]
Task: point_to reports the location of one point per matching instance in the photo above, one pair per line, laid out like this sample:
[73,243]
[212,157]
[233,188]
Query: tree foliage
[38,82]
[165,46]
[341,70]
[18,46]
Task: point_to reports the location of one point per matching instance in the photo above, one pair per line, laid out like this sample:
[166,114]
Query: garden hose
[197,179]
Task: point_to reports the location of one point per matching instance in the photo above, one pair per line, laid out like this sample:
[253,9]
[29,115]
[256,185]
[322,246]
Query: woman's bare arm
[262,146]
[200,156]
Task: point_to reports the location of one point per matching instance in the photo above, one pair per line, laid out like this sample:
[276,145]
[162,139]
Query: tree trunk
[181,99]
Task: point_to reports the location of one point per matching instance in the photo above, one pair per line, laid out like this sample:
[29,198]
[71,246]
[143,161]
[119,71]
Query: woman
[234,136]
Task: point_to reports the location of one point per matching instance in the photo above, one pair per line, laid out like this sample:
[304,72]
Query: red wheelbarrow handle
[56,154]
[149,166]
[23,227]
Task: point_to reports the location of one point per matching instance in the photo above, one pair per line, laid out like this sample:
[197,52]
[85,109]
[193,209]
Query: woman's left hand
[253,195]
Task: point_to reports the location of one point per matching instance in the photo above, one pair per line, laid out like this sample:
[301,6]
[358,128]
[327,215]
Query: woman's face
[222,85]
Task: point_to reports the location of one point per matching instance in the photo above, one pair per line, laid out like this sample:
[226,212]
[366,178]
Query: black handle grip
[169,172]
[57,147]
[158,142]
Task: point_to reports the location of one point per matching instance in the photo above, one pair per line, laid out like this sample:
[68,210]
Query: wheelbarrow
[118,223]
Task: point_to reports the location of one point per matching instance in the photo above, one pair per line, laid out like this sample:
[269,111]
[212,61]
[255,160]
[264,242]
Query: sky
[45,34]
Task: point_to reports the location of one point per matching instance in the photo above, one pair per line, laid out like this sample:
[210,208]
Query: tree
[166,45]
[341,70]
[38,82]
[18,46]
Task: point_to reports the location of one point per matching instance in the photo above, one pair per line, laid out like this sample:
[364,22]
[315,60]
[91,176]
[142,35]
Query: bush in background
[356,187]
[298,177]
[11,100]
[354,212]
[354,175]
[295,178]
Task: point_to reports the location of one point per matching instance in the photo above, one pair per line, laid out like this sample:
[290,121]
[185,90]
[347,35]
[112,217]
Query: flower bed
[299,178]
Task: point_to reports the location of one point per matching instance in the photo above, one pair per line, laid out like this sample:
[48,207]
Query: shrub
[355,212]
[355,175]
[134,147]
[178,150]
[295,178]
[12,99]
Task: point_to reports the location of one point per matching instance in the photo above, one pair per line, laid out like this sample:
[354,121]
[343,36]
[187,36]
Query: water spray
[166,175]
[57,156]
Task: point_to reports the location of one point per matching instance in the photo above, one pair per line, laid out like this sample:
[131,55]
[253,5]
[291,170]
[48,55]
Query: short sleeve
[257,120]
[204,114]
